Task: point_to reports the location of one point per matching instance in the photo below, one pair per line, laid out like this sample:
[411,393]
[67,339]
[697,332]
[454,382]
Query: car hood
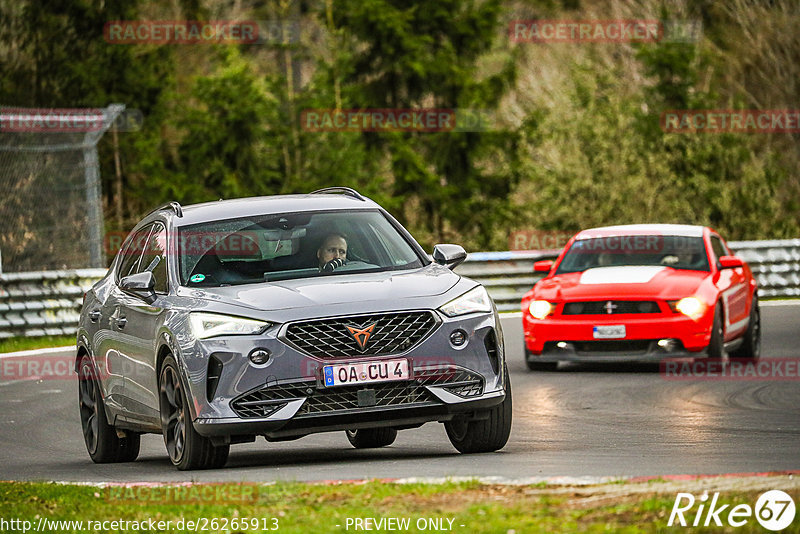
[393,286]
[621,282]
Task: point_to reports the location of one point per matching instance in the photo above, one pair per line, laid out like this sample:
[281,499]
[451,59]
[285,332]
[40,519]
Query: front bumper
[570,339]
[286,397]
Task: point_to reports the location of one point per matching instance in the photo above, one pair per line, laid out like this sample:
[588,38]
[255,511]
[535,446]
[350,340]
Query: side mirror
[449,255]
[141,285]
[543,266]
[730,262]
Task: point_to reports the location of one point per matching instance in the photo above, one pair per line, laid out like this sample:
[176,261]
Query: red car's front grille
[610,307]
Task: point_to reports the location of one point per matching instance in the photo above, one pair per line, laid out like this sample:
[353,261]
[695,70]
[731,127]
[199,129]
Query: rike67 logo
[774,510]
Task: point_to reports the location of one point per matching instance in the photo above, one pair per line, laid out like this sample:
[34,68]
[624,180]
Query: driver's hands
[332,265]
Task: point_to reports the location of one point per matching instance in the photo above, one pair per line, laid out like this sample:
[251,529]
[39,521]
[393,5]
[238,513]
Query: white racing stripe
[624,274]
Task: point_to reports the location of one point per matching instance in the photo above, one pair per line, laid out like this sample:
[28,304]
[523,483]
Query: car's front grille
[610,307]
[377,334]
[269,399]
[347,398]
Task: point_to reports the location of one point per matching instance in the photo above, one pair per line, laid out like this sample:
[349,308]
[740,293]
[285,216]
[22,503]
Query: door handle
[121,322]
[94,315]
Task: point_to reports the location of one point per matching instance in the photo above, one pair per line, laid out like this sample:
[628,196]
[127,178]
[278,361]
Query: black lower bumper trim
[353,419]
[650,355]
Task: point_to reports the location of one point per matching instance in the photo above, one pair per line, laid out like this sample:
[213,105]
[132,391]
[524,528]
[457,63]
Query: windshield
[273,247]
[678,252]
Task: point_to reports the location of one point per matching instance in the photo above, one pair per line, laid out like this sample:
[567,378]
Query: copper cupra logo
[361,335]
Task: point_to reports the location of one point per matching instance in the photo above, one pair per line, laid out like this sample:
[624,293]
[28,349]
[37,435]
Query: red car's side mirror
[543,266]
[730,262]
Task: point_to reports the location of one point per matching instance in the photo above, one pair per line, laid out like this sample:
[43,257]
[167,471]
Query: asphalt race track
[615,420]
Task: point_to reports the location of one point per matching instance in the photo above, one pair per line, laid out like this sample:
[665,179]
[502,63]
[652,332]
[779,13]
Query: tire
[101,439]
[541,366]
[371,438]
[716,348]
[187,449]
[751,343]
[487,435]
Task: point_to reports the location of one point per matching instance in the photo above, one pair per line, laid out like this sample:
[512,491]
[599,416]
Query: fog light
[667,344]
[561,344]
[458,338]
[259,356]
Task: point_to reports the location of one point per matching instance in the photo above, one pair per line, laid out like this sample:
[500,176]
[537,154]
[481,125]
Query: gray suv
[285,316]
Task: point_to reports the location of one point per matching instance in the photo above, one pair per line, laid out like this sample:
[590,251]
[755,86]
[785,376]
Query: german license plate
[609,332]
[365,372]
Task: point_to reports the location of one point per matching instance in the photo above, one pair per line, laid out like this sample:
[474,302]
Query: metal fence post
[94,207]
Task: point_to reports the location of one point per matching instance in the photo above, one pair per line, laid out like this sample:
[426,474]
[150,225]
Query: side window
[131,253]
[718,247]
[154,258]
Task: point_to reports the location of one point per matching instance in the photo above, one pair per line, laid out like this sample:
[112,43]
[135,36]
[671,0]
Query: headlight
[474,300]
[690,306]
[206,325]
[540,308]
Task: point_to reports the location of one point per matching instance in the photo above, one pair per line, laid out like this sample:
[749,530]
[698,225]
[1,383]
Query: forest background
[575,138]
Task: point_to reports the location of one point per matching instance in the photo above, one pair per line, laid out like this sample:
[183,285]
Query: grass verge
[27,343]
[468,507]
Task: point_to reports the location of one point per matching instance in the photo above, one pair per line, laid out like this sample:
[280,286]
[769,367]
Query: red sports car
[641,293]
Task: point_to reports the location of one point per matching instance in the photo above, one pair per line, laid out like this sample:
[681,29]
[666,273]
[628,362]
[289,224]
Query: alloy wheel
[172,415]
[87,396]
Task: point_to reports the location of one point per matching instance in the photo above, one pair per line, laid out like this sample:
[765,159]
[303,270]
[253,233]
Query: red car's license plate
[609,331]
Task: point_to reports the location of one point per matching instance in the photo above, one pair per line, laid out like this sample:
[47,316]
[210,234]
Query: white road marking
[34,352]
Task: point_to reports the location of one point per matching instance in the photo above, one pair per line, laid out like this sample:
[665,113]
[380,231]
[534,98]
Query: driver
[679,258]
[332,253]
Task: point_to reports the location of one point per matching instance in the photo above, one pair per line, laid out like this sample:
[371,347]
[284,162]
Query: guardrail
[44,303]
[48,303]
[509,275]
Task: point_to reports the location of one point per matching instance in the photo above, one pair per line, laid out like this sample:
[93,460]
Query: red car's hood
[621,282]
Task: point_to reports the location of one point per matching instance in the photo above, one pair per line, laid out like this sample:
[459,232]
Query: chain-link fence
[50,205]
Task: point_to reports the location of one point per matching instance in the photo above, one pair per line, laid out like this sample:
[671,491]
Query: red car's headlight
[690,306]
[540,309]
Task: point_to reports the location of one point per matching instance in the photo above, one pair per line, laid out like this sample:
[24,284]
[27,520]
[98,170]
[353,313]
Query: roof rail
[174,206]
[342,190]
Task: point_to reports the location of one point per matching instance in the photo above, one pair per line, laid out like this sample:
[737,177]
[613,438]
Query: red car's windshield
[678,252]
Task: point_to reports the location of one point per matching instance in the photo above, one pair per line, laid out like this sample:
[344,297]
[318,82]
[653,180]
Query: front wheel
[716,347]
[371,438]
[186,448]
[751,343]
[486,435]
[101,439]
